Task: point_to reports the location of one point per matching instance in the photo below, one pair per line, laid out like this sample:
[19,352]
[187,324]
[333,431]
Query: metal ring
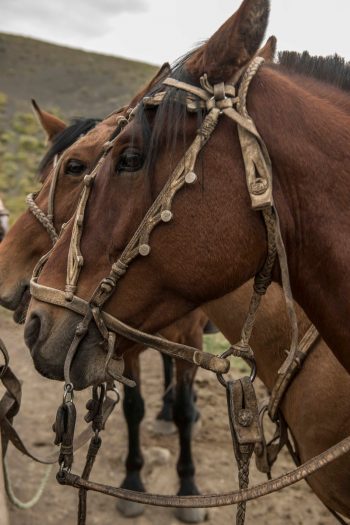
[68,393]
[252,363]
[253,371]
[68,388]
[226,354]
[221,380]
[117,393]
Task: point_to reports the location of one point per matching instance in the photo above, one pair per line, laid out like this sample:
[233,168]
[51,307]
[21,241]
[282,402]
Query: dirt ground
[212,452]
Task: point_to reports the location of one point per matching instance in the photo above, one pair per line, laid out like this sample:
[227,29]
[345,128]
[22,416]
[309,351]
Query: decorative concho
[166,215]
[190,177]
[144,249]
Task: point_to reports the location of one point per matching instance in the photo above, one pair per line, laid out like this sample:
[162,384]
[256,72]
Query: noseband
[217,100]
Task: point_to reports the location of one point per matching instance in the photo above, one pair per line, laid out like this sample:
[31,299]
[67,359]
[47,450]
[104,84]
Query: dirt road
[212,451]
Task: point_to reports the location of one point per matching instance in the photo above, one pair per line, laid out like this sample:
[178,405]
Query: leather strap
[187,353]
[284,380]
[215,500]
[10,405]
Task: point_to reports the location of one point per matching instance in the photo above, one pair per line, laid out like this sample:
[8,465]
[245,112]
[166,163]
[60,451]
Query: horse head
[175,277]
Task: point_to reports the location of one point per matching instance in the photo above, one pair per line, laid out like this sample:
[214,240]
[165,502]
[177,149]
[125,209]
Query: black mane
[62,141]
[164,125]
[170,117]
[332,69]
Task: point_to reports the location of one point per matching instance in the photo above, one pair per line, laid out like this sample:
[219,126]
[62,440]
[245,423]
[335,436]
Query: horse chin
[20,313]
[13,298]
[87,369]
[50,349]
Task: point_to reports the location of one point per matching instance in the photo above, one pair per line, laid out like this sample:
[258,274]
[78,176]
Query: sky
[156,31]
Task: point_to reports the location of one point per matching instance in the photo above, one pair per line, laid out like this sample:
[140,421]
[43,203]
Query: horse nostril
[32,330]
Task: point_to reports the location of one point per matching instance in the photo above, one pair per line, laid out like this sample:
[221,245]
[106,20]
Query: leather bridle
[215,101]
[47,219]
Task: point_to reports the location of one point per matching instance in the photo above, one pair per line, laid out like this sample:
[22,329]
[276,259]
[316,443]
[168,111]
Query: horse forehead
[94,140]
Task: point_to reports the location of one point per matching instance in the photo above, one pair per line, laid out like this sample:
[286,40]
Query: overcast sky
[156,31]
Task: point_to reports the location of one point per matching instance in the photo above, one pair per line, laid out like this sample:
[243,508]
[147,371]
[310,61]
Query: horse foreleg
[185,415]
[134,411]
[164,424]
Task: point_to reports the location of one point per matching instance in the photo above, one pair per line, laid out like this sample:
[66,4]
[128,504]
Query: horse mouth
[88,367]
[49,339]
[20,313]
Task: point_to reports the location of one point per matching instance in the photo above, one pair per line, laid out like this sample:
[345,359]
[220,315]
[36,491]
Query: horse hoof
[130,509]
[164,428]
[191,515]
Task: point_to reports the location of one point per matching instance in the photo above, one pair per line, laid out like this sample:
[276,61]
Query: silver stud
[245,417]
[259,186]
[166,215]
[191,177]
[144,249]
[88,180]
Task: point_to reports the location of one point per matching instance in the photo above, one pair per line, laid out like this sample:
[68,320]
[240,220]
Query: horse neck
[308,138]
[323,90]
[271,334]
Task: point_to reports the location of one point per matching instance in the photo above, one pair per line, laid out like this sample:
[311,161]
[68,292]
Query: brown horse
[306,136]
[184,269]
[18,258]
[316,402]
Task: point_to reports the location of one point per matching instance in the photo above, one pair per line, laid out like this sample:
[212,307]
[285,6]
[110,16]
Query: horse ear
[161,74]
[268,52]
[164,70]
[51,124]
[234,44]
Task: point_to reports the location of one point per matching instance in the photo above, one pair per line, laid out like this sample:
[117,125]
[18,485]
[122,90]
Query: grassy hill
[68,82]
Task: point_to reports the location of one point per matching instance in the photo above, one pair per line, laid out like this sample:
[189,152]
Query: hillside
[65,81]
[76,82]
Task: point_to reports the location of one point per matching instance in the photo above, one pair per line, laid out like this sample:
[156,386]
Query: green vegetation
[3,100]
[76,82]
[21,149]
[215,343]
[63,81]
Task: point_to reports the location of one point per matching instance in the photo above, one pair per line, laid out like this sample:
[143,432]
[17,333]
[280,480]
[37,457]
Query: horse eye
[130,161]
[75,167]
